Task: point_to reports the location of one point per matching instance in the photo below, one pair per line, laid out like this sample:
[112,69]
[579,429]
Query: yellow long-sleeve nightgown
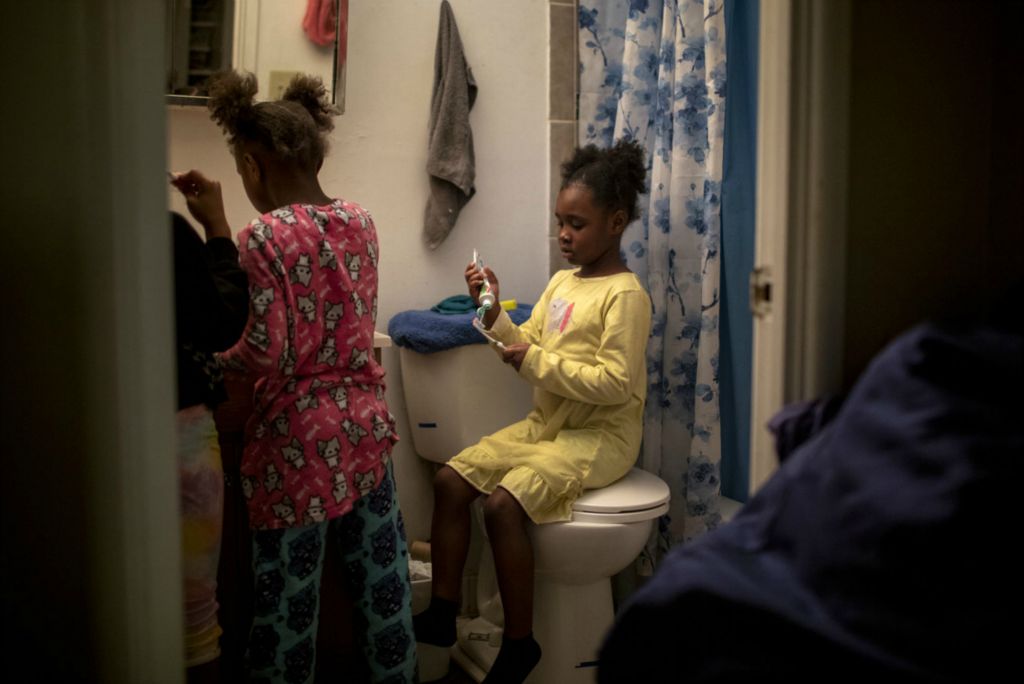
[587,365]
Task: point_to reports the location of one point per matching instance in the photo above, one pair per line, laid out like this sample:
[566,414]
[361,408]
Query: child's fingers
[178,180]
[514,354]
[195,176]
[187,183]
[513,350]
[186,177]
[192,183]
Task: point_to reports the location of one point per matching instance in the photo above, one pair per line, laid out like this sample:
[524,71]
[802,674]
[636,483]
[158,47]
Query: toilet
[455,397]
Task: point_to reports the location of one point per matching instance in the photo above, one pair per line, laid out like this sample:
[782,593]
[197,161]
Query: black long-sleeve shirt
[211,298]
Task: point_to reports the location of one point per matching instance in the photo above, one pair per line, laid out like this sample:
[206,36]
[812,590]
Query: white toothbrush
[486,296]
[487,335]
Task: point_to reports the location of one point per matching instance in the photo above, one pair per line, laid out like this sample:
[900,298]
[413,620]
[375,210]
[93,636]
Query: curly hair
[292,129]
[615,176]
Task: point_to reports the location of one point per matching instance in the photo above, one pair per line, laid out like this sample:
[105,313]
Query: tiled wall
[562,112]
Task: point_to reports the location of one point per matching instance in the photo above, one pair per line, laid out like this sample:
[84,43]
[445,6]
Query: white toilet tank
[455,397]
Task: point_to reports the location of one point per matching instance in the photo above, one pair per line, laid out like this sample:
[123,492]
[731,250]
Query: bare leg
[449,532]
[449,545]
[513,560]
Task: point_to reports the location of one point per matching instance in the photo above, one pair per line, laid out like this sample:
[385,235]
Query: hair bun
[628,159]
[232,100]
[309,91]
[616,175]
[628,156]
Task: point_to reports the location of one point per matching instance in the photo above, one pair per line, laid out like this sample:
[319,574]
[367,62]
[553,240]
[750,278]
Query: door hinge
[761,291]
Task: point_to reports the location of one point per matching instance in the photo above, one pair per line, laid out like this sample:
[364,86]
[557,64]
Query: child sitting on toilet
[583,349]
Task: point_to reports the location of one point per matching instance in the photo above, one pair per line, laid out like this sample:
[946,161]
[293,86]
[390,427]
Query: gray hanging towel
[450,160]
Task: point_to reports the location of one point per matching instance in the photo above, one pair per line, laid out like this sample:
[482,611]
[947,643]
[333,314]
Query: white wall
[379,153]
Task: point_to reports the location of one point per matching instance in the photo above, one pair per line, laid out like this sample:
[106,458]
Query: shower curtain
[654,71]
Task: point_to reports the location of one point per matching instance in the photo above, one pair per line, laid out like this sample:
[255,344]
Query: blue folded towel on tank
[426,331]
[456,304]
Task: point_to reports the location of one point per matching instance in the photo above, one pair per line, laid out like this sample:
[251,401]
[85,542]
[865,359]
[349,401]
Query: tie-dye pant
[288,565]
[201,487]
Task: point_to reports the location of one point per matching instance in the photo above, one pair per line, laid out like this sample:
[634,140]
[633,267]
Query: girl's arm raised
[205,202]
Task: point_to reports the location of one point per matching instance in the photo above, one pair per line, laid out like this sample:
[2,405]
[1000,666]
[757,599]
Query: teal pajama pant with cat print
[288,565]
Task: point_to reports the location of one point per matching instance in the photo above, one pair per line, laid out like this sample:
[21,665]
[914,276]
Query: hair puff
[615,176]
[232,102]
[310,92]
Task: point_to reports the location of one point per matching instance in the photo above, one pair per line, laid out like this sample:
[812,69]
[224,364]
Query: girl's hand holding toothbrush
[475,281]
[514,354]
[204,200]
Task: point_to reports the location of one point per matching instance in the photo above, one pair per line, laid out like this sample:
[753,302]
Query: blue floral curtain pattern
[654,71]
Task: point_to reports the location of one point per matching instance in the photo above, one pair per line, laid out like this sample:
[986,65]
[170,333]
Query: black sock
[436,625]
[515,661]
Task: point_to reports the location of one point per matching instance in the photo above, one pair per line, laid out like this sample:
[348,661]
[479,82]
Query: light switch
[279,80]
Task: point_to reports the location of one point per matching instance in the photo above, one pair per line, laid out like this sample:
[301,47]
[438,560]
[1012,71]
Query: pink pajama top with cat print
[321,433]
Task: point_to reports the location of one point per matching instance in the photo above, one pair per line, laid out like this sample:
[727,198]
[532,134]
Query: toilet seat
[636,497]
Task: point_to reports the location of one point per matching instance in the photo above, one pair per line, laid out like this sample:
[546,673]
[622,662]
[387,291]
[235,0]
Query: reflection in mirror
[198,43]
[272,39]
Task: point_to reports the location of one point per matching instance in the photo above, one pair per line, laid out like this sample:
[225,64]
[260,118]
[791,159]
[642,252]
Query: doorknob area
[760,291]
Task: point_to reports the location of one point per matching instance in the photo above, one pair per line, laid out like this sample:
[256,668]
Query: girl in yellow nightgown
[583,350]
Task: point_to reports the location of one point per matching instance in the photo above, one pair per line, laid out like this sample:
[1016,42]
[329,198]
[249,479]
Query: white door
[797,284]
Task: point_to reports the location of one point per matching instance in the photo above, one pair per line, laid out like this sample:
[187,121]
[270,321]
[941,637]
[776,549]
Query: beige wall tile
[563,141]
[563,62]
[562,86]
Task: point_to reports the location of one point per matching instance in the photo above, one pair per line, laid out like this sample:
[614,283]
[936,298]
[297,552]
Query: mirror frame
[338,71]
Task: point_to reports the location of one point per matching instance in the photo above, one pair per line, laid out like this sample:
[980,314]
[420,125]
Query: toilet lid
[637,491]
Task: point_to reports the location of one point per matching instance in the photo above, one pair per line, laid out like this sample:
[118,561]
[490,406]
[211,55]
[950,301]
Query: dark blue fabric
[883,545]
[426,331]
[739,182]
[796,423]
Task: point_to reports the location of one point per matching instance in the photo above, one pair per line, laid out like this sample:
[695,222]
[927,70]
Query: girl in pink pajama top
[316,455]
[321,432]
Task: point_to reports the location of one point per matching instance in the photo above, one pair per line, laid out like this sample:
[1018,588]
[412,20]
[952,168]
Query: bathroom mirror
[273,39]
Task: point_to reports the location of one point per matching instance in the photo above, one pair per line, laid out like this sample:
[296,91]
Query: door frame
[800,229]
[132,500]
